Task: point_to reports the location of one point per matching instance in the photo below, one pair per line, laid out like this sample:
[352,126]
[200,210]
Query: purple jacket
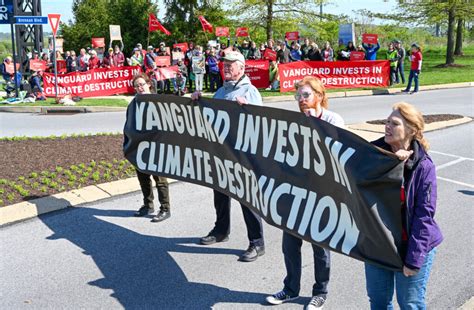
[420,188]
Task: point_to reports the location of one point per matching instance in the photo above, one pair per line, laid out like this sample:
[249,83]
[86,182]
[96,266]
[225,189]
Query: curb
[380,129]
[468,305]
[271,99]
[29,209]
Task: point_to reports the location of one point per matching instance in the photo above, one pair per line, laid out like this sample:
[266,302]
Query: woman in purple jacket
[420,233]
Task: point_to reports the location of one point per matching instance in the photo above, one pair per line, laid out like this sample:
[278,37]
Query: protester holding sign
[416,59]
[237,87]
[119,58]
[371,51]
[313,101]
[142,85]
[314,53]
[420,233]
[198,66]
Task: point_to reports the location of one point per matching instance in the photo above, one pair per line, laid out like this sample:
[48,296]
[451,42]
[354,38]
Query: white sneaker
[279,298]
[316,303]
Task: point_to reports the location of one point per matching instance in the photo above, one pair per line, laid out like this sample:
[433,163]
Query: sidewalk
[271,99]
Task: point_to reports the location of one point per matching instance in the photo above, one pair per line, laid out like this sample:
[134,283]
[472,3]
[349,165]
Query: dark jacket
[314,54]
[283,56]
[420,188]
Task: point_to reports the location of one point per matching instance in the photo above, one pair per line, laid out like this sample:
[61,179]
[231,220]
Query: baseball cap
[234,56]
[110,49]
[136,49]
[162,44]
[415,45]
[150,47]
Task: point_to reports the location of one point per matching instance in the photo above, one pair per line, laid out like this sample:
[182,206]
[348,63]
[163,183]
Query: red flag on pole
[206,26]
[154,24]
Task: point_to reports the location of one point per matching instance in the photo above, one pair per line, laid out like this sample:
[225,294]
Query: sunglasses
[304,95]
[140,85]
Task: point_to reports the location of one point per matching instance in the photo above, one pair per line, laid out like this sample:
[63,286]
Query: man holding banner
[237,87]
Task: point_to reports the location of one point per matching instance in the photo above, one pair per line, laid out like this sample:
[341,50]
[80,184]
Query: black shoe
[405,91]
[161,216]
[144,210]
[252,253]
[211,239]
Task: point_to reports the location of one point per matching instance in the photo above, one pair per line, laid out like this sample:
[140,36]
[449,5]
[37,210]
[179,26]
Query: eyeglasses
[305,95]
[140,85]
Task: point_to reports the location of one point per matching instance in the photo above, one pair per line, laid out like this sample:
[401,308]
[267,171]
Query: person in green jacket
[392,56]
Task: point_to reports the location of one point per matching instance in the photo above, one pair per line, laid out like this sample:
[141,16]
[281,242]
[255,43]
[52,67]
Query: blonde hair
[317,87]
[414,120]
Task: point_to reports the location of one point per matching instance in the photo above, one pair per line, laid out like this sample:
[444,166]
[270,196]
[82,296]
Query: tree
[267,13]
[432,12]
[93,17]
[459,37]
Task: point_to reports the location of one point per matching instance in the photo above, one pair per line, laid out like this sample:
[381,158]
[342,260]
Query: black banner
[303,175]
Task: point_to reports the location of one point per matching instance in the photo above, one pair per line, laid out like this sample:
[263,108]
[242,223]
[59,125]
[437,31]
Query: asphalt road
[99,256]
[352,109]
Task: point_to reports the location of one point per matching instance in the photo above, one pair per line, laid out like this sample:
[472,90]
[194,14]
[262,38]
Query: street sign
[6,11]
[54,22]
[31,20]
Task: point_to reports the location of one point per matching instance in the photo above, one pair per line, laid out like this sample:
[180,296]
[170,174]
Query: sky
[64,7]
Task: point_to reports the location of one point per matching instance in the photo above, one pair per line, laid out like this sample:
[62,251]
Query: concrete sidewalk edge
[341,94]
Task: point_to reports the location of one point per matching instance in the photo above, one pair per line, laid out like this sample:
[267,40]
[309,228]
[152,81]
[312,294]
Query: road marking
[450,163]
[456,182]
[452,155]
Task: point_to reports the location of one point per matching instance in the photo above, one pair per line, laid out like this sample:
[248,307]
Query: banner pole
[55,68]
[148,39]
[14,58]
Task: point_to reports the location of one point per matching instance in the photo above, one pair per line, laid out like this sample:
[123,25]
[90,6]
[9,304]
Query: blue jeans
[291,247]
[413,75]
[380,285]
[400,71]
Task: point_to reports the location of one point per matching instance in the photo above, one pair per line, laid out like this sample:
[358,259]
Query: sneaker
[413,92]
[316,303]
[161,216]
[405,91]
[268,88]
[252,253]
[144,210]
[279,298]
[211,239]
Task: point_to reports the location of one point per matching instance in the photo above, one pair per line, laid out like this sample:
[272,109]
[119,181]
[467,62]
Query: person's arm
[422,218]
[377,46]
[420,61]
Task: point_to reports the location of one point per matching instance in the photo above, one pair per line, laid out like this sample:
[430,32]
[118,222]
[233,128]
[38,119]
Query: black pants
[222,225]
[322,262]
[147,190]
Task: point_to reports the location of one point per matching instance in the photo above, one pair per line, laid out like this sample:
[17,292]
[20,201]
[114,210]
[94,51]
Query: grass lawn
[430,75]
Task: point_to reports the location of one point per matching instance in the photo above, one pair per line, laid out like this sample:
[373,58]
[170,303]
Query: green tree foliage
[93,17]
[271,15]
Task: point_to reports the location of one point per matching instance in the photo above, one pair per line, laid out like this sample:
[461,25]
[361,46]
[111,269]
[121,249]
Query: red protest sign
[9,68]
[292,36]
[369,38]
[242,32]
[357,56]
[61,66]
[162,61]
[98,42]
[37,65]
[222,31]
[95,82]
[54,22]
[270,54]
[183,46]
[336,74]
[257,71]
[166,73]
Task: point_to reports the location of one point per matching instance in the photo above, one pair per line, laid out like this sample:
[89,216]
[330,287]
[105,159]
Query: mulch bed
[22,158]
[428,119]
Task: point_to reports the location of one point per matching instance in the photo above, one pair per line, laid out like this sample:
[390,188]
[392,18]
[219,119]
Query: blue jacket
[371,52]
[242,88]
[420,188]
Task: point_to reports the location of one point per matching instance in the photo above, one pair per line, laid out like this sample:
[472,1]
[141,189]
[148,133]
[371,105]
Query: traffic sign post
[54,22]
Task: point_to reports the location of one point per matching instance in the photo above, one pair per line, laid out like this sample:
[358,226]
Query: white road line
[456,182]
[451,155]
[450,163]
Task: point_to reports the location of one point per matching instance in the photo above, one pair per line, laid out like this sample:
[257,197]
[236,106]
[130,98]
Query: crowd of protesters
[198,66]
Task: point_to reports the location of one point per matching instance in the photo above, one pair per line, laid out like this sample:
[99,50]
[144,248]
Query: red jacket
[94,63]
